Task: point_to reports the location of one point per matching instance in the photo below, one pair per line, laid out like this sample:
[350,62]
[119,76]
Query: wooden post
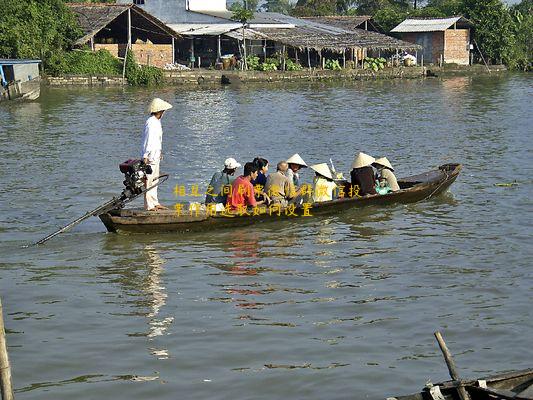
[296,55]
[320,59]
[344,58]
[245,66]
[191,62]
[5,368]
[219,49]
[92,43]
[173,51]
[124,67]
[463,394]
[283,58]
[129,27]
[308,59]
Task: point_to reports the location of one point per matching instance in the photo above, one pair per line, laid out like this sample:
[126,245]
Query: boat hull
[517,385]
[414,188]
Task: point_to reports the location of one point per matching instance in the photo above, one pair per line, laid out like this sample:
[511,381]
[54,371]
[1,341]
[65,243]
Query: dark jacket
[364,178]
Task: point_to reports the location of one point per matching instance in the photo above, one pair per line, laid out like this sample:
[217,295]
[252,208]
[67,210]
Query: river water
[341,307]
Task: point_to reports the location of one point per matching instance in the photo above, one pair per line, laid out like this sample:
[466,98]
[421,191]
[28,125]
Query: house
[19,79]
[445,40]
[115,27]
[211,33]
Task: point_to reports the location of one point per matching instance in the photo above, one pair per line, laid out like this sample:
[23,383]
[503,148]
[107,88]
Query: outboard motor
[135,172]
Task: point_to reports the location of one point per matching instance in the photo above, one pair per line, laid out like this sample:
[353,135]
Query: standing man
[151,150]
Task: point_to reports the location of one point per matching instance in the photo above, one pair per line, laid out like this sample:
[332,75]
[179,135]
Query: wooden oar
[463,394]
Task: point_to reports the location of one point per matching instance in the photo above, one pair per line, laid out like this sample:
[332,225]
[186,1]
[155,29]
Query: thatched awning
[93,17]
[302,38]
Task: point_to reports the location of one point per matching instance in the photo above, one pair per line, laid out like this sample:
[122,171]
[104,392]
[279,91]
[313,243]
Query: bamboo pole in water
[463,394]
[5,369]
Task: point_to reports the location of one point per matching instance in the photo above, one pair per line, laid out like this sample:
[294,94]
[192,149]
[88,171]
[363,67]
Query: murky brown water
[335,308]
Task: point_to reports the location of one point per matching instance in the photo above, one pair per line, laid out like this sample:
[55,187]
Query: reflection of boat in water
[514,385]
[20,79]
[413,188]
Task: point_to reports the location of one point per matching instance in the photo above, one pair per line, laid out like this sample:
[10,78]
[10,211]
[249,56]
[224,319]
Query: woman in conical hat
[323,186]
[385,171]
[295,164]
[362,175]
[151,152]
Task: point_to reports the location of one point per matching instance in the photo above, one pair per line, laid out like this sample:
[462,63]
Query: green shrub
[253,62]
[292,66]
[142,74]
[375,64]
[268,67]
[80,62]
[333,65]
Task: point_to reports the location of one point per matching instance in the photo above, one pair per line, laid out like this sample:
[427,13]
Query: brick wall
[456,51]
[156,55]
[112,48]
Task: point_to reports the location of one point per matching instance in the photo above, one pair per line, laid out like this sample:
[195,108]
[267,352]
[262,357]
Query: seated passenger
[323,184]
[242,191]
[385,171]
[279,187]
[382,187]
[219,187]
[262,168]
[362,174]
[296,163]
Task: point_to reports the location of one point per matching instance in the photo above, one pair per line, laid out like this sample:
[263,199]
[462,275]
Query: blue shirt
[261,179]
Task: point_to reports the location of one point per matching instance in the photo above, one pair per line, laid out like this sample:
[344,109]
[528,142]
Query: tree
[522,15]
[447,7]
[493,28]
[243,16]
[311,8]
[36,29]
[247,4]
[279,6]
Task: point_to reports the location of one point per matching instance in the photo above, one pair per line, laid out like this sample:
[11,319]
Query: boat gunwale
[423,183]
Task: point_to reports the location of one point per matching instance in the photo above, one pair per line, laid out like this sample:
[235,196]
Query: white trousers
[150,197]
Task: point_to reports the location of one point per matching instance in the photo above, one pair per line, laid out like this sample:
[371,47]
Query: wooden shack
[445,40]
[115,27]
[19,79]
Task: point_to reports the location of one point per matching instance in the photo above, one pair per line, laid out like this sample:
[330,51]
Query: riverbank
[465,70]
[207,76]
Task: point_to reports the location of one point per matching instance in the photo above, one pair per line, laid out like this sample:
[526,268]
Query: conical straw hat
[384,163]
[322,169]
[296,159]
[158,105]
[362,160]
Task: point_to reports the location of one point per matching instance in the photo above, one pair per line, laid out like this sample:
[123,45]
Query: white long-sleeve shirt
[152,140]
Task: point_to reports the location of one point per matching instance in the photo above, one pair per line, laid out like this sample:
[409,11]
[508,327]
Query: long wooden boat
[517,385]
[412,189]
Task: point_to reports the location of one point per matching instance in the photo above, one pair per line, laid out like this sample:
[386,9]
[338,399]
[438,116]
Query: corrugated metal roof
[341,21]
[8,61]
[426,25]
[203,29]
[309,37]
